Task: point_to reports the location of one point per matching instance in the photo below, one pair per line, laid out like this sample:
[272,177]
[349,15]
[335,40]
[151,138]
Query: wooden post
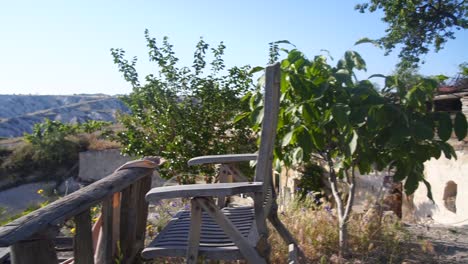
[142,216]
[38,249]
[83,242]
[104,254]
[128,218]
[116,200]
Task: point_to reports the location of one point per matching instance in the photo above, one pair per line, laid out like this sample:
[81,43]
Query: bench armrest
[219,159]
[202,190]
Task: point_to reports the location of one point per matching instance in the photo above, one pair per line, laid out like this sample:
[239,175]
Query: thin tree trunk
[343,211]
[343,237]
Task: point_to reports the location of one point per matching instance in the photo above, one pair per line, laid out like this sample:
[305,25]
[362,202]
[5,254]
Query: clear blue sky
[62,47]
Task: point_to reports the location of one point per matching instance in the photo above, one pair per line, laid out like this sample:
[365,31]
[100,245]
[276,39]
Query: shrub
[184,112]
[20,158]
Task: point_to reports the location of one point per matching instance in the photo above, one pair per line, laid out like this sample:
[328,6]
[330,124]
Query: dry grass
[94,142]
[373,238]
[10,142]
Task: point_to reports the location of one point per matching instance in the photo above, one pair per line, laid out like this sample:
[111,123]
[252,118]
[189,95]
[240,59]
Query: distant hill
[19,113]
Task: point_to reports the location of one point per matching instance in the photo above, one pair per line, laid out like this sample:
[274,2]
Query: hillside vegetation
[51,151]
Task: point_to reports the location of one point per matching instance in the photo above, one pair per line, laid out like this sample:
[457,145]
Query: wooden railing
[118,234]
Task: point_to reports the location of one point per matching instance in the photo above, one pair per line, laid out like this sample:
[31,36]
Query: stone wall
[96,164]
[449,183]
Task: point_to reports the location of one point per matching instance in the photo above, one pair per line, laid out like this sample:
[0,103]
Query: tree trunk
[343,211]
[343,237]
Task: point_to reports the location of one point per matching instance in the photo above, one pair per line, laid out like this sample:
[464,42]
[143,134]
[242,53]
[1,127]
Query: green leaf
[367,40]
[257,115]
[353,143]
[422,130]
[287,138]
[318,139]
[340,115]
[402,171]
[282,42]
[444,130]
[412,183]
[448,150]
[364,166]
[377,75]
[461,126]
[342,75]
[390,81]
[441,77]
[240,117]
[305,141]
[295,55]
[308,114]
[429,189]
[256,69]
[298,155]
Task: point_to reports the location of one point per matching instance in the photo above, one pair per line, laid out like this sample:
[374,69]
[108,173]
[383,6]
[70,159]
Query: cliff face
[19,113]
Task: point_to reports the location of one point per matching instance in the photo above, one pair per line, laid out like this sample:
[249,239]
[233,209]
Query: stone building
[448,178]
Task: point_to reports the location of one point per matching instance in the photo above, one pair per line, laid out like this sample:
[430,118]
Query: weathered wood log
[37,249]
[83,242]
[67,207]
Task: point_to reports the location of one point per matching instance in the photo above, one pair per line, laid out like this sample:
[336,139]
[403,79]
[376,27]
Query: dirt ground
[438,244]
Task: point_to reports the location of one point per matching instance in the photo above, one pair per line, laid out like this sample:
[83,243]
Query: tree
[418,25]
[346,125]
[183,112]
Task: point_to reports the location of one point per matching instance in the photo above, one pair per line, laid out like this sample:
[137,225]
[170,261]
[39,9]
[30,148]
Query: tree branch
[334,187]
[352,188]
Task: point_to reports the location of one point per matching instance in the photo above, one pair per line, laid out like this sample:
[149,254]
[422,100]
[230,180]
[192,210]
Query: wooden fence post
[142,215]
[128,219]
[105,247]
[83,242]
[38,249]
